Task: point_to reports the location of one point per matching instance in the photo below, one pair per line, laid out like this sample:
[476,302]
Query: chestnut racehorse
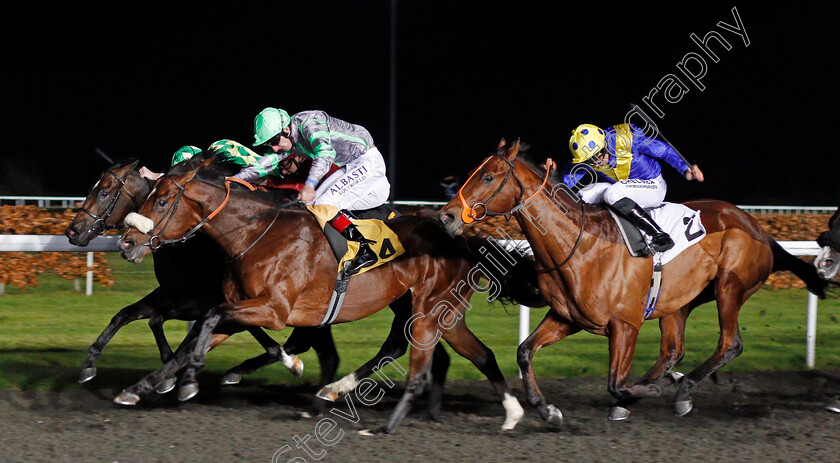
[282,273]
[592,282]
[190,275]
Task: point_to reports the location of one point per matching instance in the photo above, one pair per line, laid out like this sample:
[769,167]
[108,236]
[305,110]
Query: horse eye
[161,202]
[103,194]
[488,178]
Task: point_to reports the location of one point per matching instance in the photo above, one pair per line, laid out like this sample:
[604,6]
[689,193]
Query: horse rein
[468,213]
[155,241]
[101,219]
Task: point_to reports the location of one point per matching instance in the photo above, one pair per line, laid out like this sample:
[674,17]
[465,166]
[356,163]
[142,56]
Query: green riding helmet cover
[184,153]
[268,123]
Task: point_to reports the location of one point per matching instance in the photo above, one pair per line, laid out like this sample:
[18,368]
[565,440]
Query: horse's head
[119,190]
[171,209]
[828,260]
[491,189]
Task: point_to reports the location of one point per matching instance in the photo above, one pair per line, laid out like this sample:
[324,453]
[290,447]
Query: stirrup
[363,259]
[661,242]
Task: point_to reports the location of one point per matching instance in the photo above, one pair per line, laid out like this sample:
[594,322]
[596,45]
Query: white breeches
[361,184]
[645,193]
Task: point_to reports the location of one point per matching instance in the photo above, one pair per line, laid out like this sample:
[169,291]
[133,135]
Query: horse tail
[515,273]
[783,260]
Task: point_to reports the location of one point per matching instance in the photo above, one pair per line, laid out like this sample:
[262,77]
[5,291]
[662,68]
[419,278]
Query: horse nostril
[447,218]
[126,245]
[71,232]
[826,263]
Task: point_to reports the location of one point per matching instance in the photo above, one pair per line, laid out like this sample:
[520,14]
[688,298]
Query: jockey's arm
[259,169]
[317,134]
[664,152]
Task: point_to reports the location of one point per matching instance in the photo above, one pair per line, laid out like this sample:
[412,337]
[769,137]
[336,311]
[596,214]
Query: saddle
[633,238]
[372,224]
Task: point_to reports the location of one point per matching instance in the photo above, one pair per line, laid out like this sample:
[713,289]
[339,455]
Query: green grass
[45,332]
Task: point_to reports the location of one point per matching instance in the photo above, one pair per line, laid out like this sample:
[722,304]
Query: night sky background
[138,81]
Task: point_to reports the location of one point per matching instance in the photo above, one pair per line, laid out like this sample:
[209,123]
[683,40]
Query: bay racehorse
[827,261]
[189,276]
[592,282]
[281,272]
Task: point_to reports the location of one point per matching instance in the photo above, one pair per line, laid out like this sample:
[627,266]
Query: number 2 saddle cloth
[681,223]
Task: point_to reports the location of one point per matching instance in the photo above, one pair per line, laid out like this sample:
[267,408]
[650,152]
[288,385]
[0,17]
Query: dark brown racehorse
[827,261]
[593,284]
[282,273]
[190,275]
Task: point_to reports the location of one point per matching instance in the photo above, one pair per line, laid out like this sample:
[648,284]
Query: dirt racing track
[744,417]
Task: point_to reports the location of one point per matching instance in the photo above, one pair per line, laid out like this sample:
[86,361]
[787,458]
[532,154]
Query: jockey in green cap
[360,183]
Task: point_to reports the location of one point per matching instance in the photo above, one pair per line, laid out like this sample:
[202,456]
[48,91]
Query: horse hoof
[231,378]
[297,367]
[87,374]
[555,416]
[127,398]
[187,391]
[166,386]
[514,412]
[833,406]
[327,394]
[682,407]
[619,413]
[373,432]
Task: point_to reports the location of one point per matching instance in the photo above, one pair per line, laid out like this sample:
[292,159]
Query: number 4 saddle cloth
[371,223]
[681,223]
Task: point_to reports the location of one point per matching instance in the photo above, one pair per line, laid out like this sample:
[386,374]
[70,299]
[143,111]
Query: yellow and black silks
[387,246]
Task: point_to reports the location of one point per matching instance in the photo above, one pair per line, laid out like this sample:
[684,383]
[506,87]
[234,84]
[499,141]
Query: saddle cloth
[371,224]
[682,224]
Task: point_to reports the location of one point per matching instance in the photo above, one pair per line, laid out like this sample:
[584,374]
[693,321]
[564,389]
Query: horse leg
[156,325]
[671,351]
[144,308]
[440,365]
[423,332]
[550,330]
[394,347]
[729,292]
[622,338]
[251,313]
[322,341]
[273,353]
[467,345]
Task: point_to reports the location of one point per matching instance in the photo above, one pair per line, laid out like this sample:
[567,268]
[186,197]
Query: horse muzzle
[451,223]
[827,263]
[131,250]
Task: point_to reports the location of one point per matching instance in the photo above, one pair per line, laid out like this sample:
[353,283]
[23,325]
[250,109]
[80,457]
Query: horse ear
[501,144]
[513,151]
[135,164]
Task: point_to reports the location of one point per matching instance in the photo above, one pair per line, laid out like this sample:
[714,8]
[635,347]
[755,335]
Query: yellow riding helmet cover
[586,140]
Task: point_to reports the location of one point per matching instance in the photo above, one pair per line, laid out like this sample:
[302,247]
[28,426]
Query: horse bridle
[102,219]
[468,213]
[155,241]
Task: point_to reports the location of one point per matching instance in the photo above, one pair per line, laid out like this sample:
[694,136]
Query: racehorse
[190,275]
[592,282]
[281,272]
[827,261]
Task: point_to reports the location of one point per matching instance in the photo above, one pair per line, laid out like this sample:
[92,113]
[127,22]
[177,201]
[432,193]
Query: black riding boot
[366,256]
[660,241]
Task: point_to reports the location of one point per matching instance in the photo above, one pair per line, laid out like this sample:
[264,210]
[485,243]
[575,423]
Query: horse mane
[216,171]
[124,162]
[598,213]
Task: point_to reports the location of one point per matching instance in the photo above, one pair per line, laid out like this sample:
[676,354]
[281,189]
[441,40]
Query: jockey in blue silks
[628,171]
